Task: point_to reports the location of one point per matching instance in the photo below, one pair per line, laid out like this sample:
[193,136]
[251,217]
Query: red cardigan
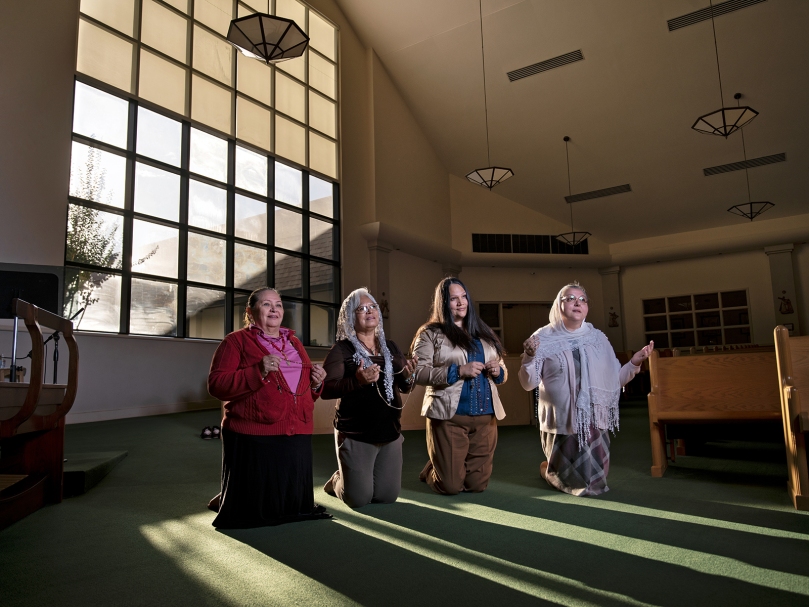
[255,404]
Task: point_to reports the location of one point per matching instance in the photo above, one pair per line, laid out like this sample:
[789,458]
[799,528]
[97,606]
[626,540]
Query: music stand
[38,288]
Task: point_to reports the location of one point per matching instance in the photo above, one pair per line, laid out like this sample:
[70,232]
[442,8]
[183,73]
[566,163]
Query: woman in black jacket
[368,374]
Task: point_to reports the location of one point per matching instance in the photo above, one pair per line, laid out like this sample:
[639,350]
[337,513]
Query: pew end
[32,423]
[722,387]
[792,355]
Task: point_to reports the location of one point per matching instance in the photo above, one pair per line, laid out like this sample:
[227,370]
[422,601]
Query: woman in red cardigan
[270,385]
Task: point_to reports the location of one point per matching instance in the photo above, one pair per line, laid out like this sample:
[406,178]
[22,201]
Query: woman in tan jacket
[460,360]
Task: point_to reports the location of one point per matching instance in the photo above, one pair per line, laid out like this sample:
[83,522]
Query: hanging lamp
[488,176]
[573,237]
[726,120]
[748,209]
[268,38]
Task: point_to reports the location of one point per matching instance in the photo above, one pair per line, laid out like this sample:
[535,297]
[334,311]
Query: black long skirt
[266,480]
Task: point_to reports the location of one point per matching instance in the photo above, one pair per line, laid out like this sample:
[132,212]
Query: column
[784,294]
[611,289]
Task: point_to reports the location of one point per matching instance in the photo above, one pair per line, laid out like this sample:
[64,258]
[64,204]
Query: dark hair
[253,300]
[473,325]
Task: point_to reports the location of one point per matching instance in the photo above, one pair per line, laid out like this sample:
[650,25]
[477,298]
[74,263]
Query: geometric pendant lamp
[573,237]
[271,39]
[489,176]
[726,120]
[748,209]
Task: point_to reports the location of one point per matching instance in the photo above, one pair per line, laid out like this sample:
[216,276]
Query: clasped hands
[473,368]
[368,375]
[273,363]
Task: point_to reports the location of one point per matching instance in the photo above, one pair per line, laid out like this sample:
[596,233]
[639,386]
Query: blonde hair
[555,316]
[253,300]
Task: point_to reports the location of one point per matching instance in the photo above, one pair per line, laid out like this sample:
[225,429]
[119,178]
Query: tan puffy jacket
[436,354]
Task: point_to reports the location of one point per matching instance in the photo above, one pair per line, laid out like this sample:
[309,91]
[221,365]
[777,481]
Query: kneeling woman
[579,380]
[271,385]
[367,373]
[460,360]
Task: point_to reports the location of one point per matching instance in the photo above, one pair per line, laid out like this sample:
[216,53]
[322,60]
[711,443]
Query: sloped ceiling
[628,106]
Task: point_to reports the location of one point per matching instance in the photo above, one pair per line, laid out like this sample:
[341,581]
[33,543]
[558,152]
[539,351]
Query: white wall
[736,271]
[36,101]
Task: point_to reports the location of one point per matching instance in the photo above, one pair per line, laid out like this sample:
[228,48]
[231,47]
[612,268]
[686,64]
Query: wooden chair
[719,387]
[793,380]
[32,423]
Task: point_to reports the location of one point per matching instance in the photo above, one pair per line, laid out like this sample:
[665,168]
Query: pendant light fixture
[748,209]
[573,237]
[268,38]
[489,176]
[726,120]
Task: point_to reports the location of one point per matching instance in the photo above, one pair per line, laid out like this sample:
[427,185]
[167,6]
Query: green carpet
[716,530]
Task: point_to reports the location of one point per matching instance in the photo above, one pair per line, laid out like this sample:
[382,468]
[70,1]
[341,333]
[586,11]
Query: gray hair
[555,317]
[346,330]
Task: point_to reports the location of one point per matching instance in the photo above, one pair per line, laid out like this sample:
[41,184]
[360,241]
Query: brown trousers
[461,452]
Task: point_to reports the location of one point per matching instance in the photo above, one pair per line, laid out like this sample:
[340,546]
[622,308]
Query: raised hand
[410,367]
[269,363]
[367,375]
[471,369]
[643,354]
[530,345]
[317,376]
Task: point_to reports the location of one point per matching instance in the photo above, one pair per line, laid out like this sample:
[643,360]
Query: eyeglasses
[364,309]
[581,298]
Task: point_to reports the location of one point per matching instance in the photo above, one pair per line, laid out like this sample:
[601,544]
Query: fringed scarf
[597,400]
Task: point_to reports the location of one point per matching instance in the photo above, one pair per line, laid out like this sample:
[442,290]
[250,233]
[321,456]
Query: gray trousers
[367,472]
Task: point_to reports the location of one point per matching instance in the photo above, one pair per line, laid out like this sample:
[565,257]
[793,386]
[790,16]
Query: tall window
[177,210]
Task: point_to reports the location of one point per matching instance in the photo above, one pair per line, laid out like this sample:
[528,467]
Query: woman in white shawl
[579,380]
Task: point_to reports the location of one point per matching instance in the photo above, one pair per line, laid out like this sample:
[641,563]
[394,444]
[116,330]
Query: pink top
[291,364]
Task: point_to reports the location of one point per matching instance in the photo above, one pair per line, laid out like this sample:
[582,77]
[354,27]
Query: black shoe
[215,432]
[207,433]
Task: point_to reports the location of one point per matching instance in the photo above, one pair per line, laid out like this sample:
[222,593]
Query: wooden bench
[732,386]
[793,379]
[32,423]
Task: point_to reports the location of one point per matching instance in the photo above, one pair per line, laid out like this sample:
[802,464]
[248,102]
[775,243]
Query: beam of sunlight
[681,557]
[527,580]
[235,572]
[671,516]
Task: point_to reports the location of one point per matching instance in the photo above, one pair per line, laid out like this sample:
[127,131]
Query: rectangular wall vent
[618,189]
[704,14]
[544,66]
[525,243]
[744,164]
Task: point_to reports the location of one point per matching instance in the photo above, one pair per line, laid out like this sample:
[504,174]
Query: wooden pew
[793,379]
[32,423]
[730,386]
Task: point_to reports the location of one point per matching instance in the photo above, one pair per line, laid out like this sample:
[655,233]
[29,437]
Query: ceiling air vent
[704,14]
[544,66]
[525,243]
[744,164]
[618,189]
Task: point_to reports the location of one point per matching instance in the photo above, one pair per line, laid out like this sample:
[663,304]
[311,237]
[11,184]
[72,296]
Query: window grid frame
[695,329]
[191,71]
[129,215]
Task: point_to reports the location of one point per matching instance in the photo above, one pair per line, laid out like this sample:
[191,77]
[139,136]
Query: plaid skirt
[578,472]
